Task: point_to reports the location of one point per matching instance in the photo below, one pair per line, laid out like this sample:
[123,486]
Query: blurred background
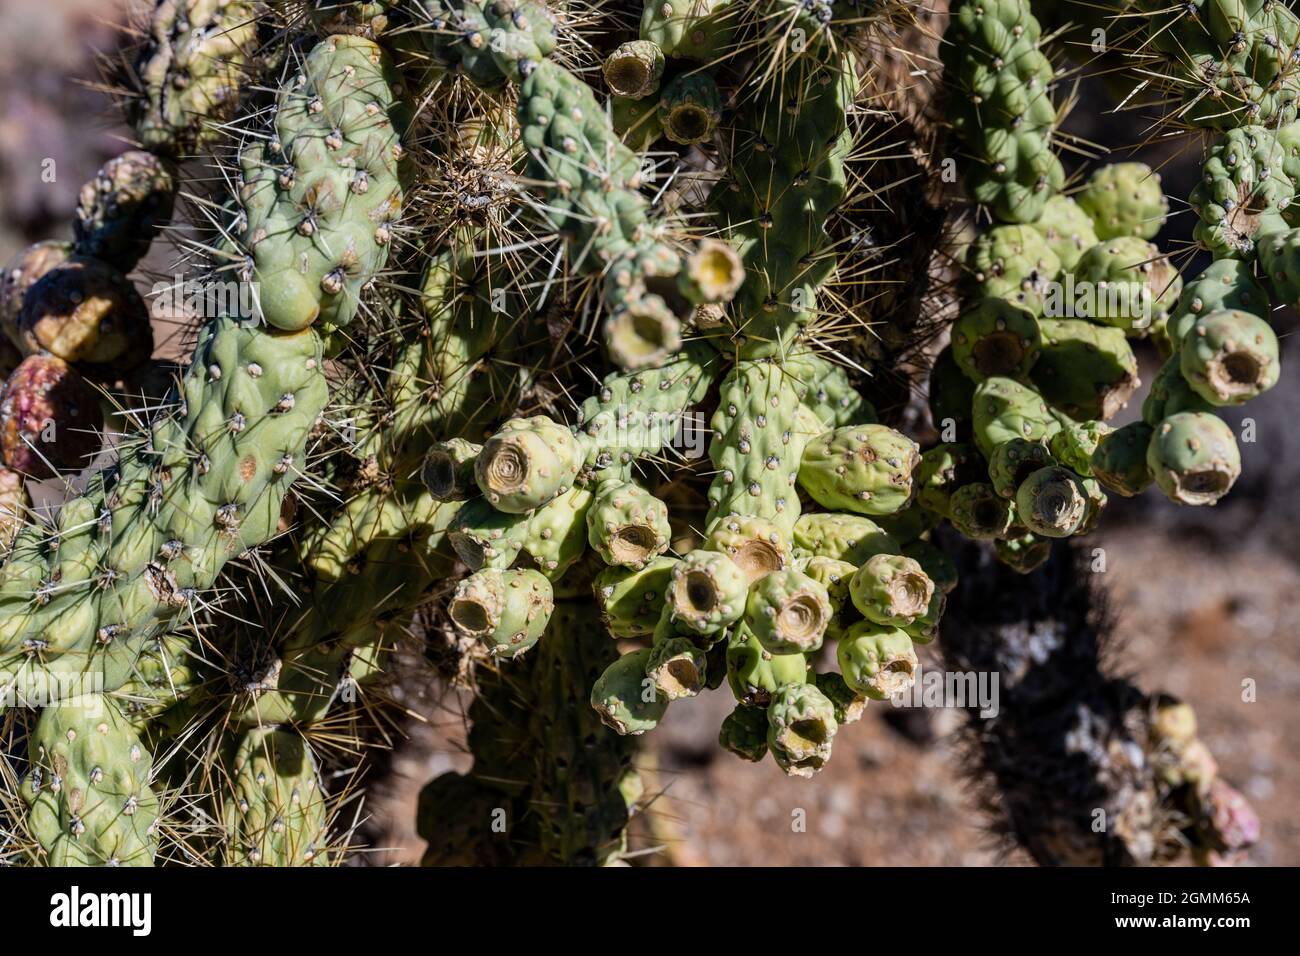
[1204,599]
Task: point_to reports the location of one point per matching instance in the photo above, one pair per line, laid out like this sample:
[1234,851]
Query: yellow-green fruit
[844,537]
[1086,370]
[631,600]
[1124,199]
[1052,502]
[707,591]
[527,463]
[862,468]
[1074,444]
[276,814]
[978,511]
[677,667]
[1004,409]
[1068,230]
[1120,459]
[1229,357]
[801,729]
[876,660]
[891,589]
[995,337]
[756,545]
[626,525]
[625,698]
[1194,458]
[788,611]
[643,332]
[507,610]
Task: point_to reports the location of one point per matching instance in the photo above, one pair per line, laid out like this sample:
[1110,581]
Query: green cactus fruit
[1170,394]
[1003,409]
[320,195]
[801,729]
[1074,444]
[677,667]
[1015,460]
[755,674]
[88,789]
[1193,457]
[744,733]
[85,311]
[951,393]
[627,525]
[1097,501]
[757,444]
[1068,230]
[50,418]
[528,462]
[876,660]
[276,814]
[642,333]
[1014,263]
[506,610]
[1124,199]
[1279,262]
[23,272]
[1229,357]
[625,698]
[843,537]
[1024,554]
[978,511]
[483,537]
[122,208]
[1085,370]
[491,43]
[756,545]
[707,592]
[925,628]
[1052,502]
[691,29]
[635,121]
[1225,284]
[1127,283]
[861,468]
[936,564]
[909,524]
[849,705]
[555,535]
[448,470]
[631,600]
[637,414]
[1120,459]
[891,589]
[1242,194]
[197,57]
[788,611]
[943,469]
[834,576]
[634,69]
[995,337]
[690,108]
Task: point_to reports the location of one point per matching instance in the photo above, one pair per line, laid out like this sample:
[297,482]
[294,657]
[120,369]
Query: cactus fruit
[755,674]
[1068,230]
[690,107]
[943,469]
[849,705]
[1001,107]
[936,564]
[1124,199]
[788,611]
[23,272]
[756,545]
[321,193]
[626,699]
[876,660]
[1052,502]
[842,537]
[677,667]
[1224,284]
[995,337]
[1243,193]
[85,311]
[978,511]
[626,524]
[801,729]
[448,470]
[1074,444]
[862,468]
[1085,370]
[1229,357]
[1003,409]
[1015,460]
[50,418]
[1193,457]
[744,733]
[507,610]
[891,589]
[276,814]
[121,209]
[527,463]
[1119,461]
[707,592]
[1025,554]
[634,69]
[1279,256]
[1133,285]
[631,600]
[89,787]
[1015,263]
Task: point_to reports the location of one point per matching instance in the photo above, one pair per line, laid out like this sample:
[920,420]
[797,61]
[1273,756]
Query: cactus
[788,612]
[507,610]
[120,210]
[1193,457]
[1068,229]
[1229,357]
[1242,194]
[85,311]
[277,812]
[862,468]
[1012,262]
[1124,199]
[996,338]
[50,418]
